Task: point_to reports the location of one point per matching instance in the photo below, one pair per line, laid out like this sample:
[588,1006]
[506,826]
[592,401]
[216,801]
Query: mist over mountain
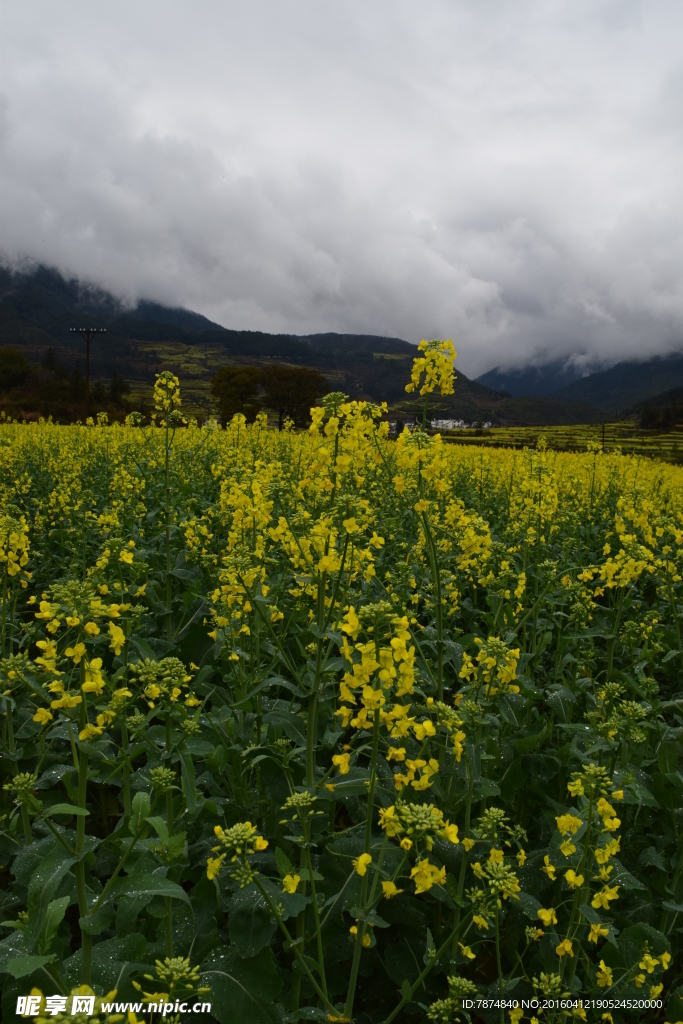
[629,383]
[540,380]
[614,390]
[506,175]
[39,306]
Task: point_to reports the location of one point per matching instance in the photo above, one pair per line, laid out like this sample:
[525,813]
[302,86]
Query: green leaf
[624,878]
[304,875]
[292,903]
[53,918]
[159,826]
[243,991]
[205,673]
[542,767]
[127,913]
[140,810]
[28,859]
[486,788]
[95,924]
[284,864]
[176,845]
[560,701]
[674,1007]
[204,930]
[651,857]
[533,742]
[530,905]
[250,925]
[198,747]
[43,886]
[11,947]
[21,966]
[354,783]
[142,647]
[293,725]
[112,961]
[188,780]
[667,757]
[402,962]
[53,775]
[185,574]
[65,809]
[635,785]
[633,939]
[590,913]
[147,885]
[441,893]
[430,951]
[266,684]
[512,709]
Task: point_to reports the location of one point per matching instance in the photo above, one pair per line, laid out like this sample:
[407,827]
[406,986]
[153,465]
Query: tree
[99,393]
[235,389]
[77,386]
[291,391]
[118,389]
[13,368]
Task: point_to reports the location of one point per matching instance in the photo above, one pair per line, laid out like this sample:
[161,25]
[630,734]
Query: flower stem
[294,946]
[358,947]
[501,983]
[169,621]
[408,993]
[169,820]
[316,916]
[86,938]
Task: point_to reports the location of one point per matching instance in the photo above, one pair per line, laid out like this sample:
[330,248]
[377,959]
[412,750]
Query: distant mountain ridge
[525,381]
[152,312]
[614,391]
[43,299]
[627,384]
[38,307]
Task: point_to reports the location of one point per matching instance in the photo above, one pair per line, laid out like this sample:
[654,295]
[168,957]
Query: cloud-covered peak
[508,175]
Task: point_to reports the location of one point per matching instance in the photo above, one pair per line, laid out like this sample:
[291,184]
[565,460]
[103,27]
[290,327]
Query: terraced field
[624,436]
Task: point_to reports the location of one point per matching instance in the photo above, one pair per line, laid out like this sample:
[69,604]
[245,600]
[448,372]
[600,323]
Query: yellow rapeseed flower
[360,864]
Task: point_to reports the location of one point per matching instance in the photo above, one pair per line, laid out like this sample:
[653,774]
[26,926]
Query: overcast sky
[508,173]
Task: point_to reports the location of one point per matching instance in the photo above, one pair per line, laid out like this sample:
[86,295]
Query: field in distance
[624,435]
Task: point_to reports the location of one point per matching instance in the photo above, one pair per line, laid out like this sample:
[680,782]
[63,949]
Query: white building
[448,424]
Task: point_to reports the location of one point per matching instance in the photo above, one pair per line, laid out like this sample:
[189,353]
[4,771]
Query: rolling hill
[38,307]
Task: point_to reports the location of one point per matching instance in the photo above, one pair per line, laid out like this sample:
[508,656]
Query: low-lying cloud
[509,175]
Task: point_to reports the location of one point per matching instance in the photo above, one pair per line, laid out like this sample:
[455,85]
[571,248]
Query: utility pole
[87,333]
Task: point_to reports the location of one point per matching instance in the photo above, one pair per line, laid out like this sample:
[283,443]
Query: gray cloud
[506,174]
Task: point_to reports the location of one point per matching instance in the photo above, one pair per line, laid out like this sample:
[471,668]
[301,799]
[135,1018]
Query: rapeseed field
[324,726]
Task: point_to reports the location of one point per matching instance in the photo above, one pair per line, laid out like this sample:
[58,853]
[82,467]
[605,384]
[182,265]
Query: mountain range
[39,305]
[614,391]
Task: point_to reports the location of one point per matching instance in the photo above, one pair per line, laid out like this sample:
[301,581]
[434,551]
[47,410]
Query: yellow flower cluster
[495,669]
[14,548]
[436,364]
[240,841]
